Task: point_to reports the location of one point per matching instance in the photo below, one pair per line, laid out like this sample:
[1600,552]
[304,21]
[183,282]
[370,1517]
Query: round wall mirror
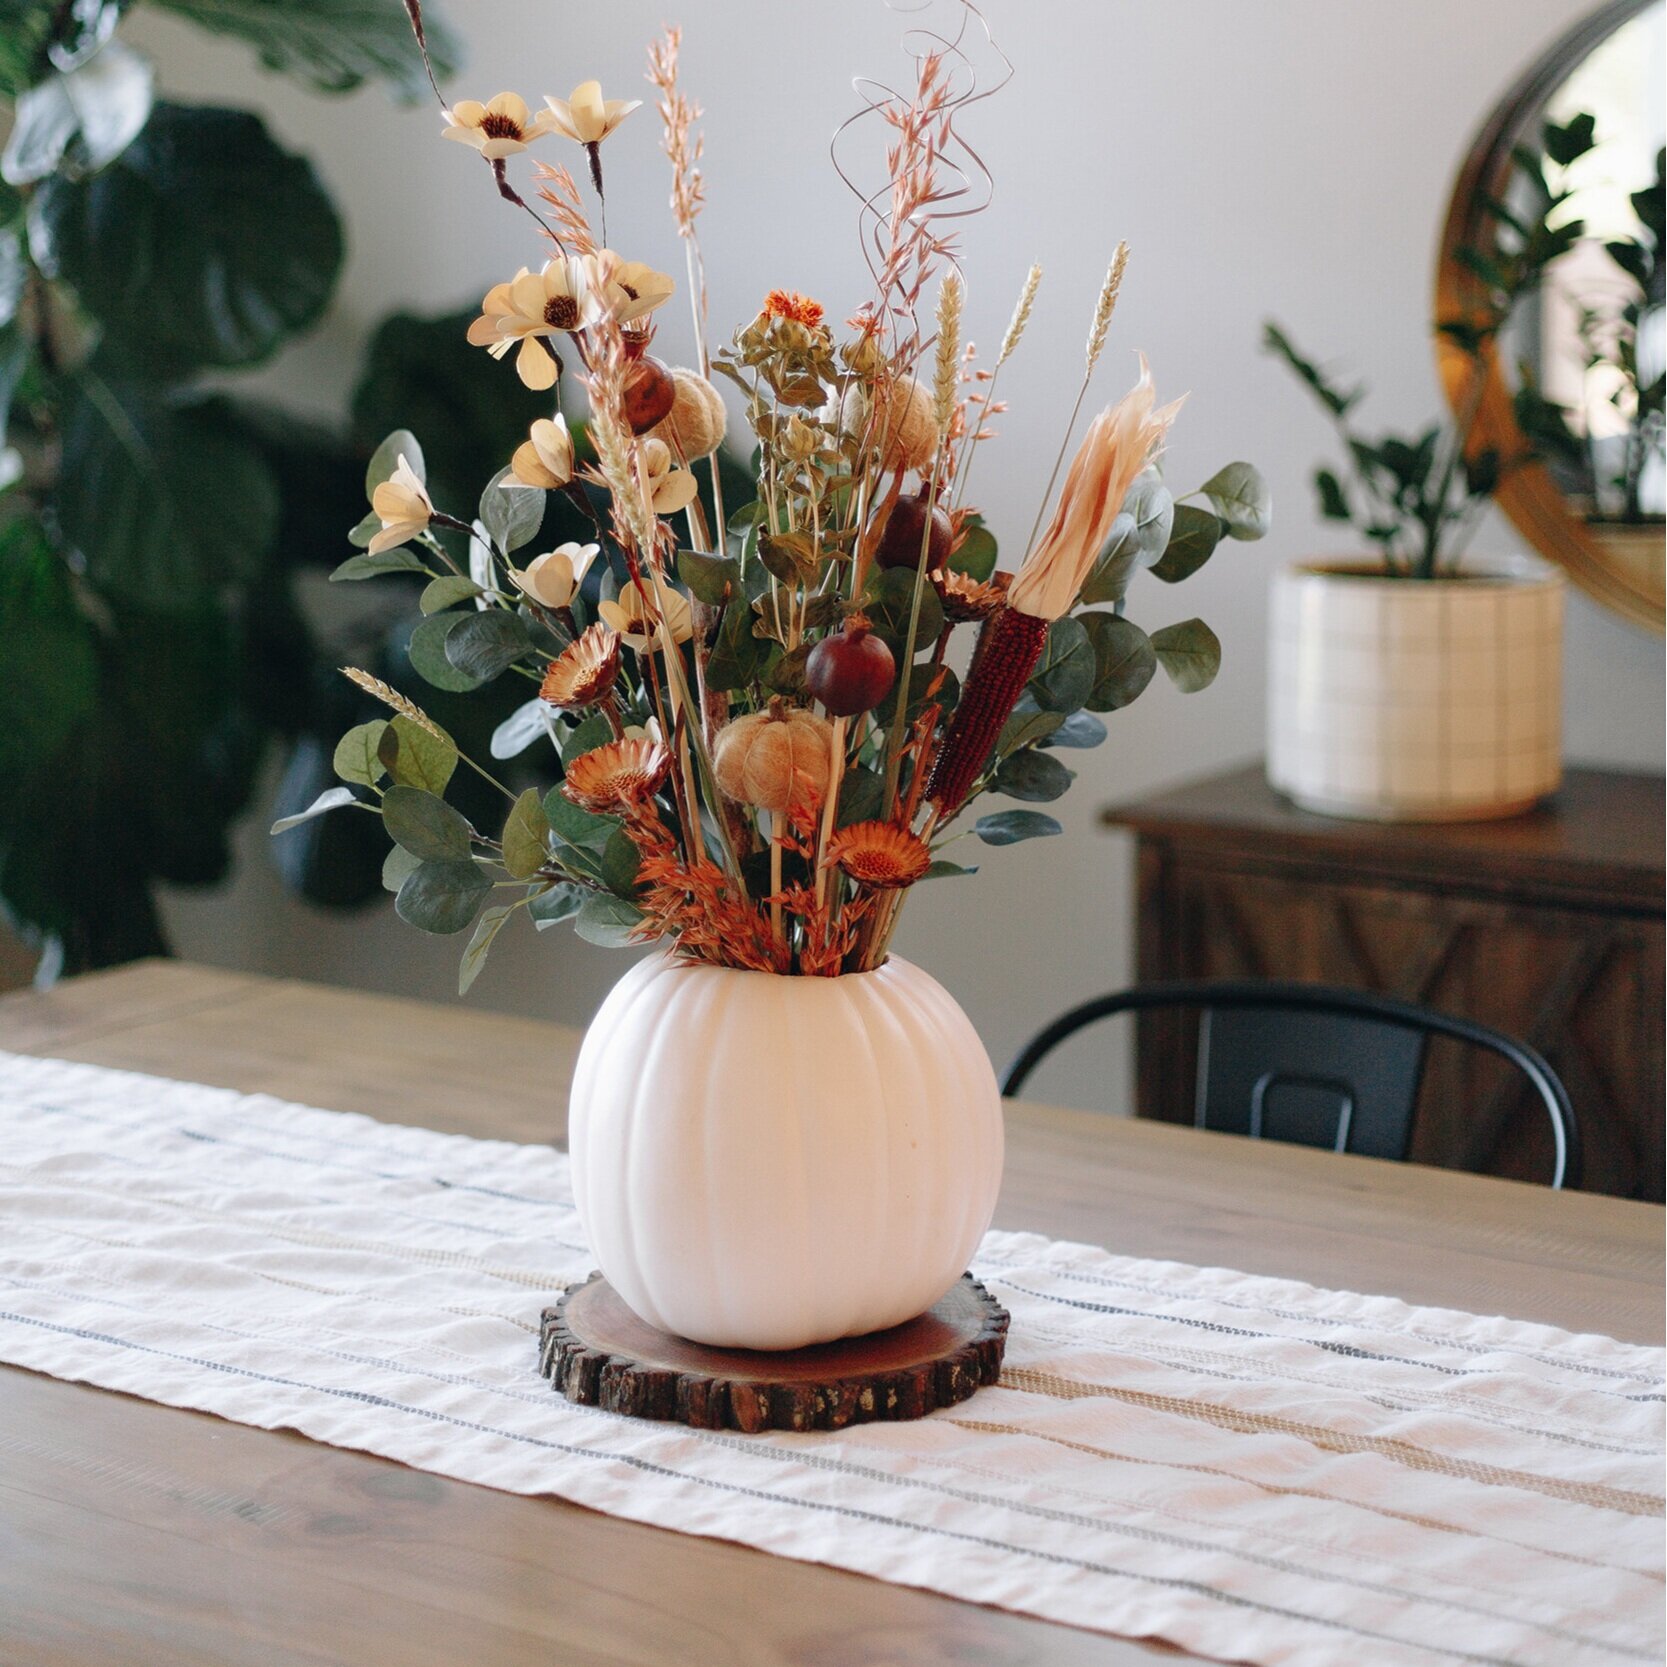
[1576,382]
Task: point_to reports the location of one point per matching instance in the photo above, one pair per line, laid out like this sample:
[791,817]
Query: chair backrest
[1314,1065]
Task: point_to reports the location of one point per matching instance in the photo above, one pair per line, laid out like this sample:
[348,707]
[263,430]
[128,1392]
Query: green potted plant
[1415,686]
[152,523]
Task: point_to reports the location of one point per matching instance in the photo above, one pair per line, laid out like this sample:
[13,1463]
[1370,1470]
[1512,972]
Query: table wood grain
[133,1534]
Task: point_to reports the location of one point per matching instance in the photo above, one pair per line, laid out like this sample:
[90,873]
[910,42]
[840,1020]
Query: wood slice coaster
[595,1351]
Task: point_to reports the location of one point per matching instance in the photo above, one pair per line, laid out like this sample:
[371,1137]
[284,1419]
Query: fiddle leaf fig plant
[151,525]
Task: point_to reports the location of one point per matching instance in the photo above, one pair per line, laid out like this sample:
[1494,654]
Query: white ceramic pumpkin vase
[767,1162]
[1416,700]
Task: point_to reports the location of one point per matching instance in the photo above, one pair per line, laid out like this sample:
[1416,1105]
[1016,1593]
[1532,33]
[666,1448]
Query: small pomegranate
[906,528]
[852,671]
[649,393]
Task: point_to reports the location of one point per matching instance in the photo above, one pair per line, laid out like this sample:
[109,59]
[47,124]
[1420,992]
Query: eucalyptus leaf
[862,795]
[608,921]
[585,736]
[943,869]
[489,925]
[1081,729]
[976,554]
[1190,652]
[1116,564]
[1241,497]
[1124,661]
[442,897]
[556,903]
[1064,675]
[401,559]
[526,836]
[1192,541]
[791,557]
[397,867]
[1034,776]
[711,579]
[1026,728]
[737,655]
[332,798]
[446,592]
[416,758]
[385,459]
[427,653]
[620,862]
[355,757]
[511,514]
[1150,505]
[425,825]
[888,600]
[481,646]
[573,826]
[526,724]
[1008,827]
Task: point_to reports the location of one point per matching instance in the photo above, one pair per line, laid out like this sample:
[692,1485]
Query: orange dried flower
[879,854]
[585,670]
[966,600]
[788,303]
[617,777]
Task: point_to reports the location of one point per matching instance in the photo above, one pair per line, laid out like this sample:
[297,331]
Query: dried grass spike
[391,697]
[1104,306]
[1021,314]
[946,378]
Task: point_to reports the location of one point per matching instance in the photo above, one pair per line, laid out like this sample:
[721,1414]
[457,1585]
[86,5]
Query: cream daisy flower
[669,488]
[501,127]
[554,578]
[585,116]
[403,505]
[531,305]
[545,457]
[632,616]
[626,290]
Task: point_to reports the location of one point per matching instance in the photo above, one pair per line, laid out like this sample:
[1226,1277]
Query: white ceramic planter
[1402,700]
[765,1162]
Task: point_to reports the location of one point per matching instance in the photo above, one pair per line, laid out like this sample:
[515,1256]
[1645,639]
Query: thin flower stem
[1059,458]
[894,734]
[830,803]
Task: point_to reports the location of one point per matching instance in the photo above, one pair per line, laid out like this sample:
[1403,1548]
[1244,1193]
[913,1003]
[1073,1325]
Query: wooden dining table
[134,1534]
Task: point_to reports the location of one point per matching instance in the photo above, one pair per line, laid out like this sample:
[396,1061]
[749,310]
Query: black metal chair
[1314,1065]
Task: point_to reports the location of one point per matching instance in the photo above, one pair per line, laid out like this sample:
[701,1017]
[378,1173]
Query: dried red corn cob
[1008,648]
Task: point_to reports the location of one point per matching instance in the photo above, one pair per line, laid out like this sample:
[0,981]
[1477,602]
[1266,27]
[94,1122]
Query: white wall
[1289,158]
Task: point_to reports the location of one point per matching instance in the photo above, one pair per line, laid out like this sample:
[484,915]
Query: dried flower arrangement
[762,738]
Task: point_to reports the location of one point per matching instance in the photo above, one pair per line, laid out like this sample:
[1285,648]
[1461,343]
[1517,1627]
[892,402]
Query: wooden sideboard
[1548,926]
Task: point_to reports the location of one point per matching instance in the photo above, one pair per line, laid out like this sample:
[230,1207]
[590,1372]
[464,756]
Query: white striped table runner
[1253,1469]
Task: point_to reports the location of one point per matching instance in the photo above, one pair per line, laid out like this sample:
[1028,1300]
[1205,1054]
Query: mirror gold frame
[1621,567]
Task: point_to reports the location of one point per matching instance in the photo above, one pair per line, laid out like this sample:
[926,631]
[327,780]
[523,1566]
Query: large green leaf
[1008,827]
[1242,498]
[1192,542]
[1035,776]
[83,117]
[332,45]
[1064,675]
[442,897]
[203,244]
[1190,652]
[50,682]
[168,502]
[425,825]
[1124,661]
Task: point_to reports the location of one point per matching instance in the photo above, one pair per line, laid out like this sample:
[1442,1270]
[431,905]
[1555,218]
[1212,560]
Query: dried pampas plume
[947,371]
[1108,300]
[1021,314]
[391,697]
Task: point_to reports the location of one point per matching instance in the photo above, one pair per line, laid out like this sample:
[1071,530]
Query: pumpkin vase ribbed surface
[768,1162]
